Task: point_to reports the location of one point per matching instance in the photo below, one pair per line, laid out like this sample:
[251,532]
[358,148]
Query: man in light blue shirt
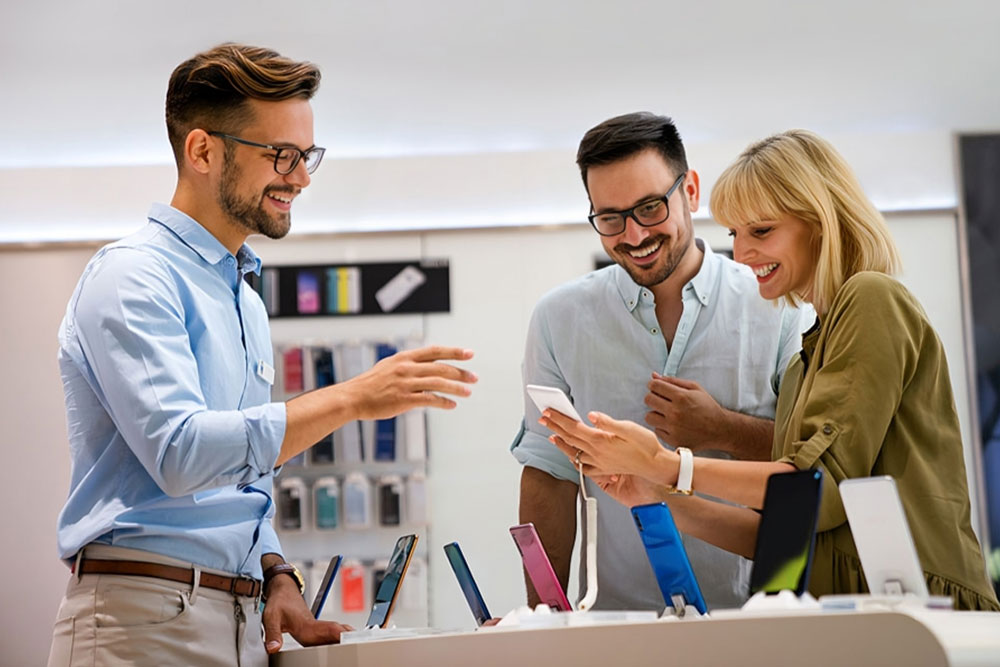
[166,361]
[671,334]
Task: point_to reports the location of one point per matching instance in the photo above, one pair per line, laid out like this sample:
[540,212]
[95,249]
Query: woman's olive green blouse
[870,395]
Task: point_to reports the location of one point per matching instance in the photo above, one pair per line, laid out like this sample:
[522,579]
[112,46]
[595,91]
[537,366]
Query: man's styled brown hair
[211,90]
[624,136]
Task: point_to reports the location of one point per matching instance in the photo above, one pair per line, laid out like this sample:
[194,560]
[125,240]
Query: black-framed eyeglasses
[647,213]
[286,158]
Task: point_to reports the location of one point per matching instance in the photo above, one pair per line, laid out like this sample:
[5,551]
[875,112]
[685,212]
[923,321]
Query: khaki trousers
[107,620]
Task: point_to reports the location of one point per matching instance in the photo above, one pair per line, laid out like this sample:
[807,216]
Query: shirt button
[654,331]
[646,294]
[827,429]
[230,260]
[631,302]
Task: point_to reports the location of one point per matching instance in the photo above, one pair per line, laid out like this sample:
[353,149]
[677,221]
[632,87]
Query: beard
[248,213]
[670,259]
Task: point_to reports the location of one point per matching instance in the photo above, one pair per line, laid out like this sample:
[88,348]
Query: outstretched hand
[411,379]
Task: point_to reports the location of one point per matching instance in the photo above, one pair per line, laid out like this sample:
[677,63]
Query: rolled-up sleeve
[867,359]
[531,446]
[130,323]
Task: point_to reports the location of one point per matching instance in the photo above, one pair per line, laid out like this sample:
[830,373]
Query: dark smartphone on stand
[467,583]
[324,588]
[388,589]
[787,534]
[667,556]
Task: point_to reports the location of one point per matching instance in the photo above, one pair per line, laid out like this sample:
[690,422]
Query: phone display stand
[785,600]
[866,602]
[543,616]
[680,609]
[378,634]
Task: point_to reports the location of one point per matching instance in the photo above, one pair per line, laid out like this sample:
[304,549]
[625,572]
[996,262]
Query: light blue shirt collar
[199,239]
[702,283]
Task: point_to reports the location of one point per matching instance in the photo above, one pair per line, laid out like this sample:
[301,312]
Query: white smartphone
[882,535]
[551,397]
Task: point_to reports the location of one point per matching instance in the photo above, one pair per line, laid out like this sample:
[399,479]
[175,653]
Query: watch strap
[284,568]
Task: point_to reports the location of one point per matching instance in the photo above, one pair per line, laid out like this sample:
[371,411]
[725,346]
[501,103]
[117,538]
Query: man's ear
[692,189]
[200,151]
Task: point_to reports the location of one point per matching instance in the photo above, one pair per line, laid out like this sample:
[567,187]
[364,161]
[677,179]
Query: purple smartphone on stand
[539,569]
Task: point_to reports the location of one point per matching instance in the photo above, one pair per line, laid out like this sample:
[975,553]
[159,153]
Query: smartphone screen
[787,533]
[467,583]
[324,588]
[667,556]
[539,568]
[388,589]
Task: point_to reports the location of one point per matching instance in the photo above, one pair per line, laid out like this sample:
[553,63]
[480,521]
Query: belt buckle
[251,582]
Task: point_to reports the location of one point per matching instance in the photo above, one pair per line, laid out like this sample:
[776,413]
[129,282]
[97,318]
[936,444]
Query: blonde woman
[869,395]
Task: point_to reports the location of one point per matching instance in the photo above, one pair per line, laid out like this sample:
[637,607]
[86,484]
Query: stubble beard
[247,213]
[673,255]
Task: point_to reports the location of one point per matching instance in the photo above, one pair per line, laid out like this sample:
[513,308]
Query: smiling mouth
[765,269]
[645,251]
[283,200]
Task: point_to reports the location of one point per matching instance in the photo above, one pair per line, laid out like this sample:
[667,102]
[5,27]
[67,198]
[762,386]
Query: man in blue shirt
[671,334]
[166,361]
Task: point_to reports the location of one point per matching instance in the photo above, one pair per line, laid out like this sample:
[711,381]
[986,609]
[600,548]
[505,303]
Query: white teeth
[287,200]
[644,252]
[765,270]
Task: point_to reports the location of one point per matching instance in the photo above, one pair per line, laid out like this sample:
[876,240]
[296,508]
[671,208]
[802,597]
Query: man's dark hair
[211,90]
[624,136]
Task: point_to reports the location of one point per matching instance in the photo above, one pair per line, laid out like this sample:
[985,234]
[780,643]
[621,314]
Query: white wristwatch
[685,473]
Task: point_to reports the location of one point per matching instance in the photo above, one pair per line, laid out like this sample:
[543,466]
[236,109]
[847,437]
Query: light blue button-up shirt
[172,434]
[597,338]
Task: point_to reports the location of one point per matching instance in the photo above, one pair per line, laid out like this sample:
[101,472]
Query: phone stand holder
[785,600]
[680,608]
[590,598]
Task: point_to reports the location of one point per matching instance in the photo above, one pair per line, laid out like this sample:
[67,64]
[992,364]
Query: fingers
[676,382]
[447,371]
[438,352]
[272,632]
[315,633]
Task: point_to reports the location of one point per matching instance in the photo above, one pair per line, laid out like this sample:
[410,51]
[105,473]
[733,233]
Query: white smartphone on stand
[882,536]
[551,397]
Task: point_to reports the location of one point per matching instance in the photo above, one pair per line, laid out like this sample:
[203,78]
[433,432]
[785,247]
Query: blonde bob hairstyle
[798,174]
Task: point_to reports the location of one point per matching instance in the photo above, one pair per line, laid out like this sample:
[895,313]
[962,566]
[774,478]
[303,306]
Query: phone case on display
[291,504]
[326,493]
[357,492]
[352,587]
[390,494]
[416,498]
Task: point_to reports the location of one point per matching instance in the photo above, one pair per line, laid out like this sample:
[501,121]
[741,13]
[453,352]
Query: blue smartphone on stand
[467,583]
[324,588]
[667,557]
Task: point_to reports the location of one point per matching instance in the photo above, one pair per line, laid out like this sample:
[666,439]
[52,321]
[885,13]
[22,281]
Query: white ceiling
[83,82]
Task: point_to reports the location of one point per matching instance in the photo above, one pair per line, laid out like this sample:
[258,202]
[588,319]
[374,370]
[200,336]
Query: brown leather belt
[236,585]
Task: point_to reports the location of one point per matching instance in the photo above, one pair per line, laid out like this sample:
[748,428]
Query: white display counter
[837,639]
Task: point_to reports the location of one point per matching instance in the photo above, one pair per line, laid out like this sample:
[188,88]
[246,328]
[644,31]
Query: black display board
[337,290]
[979,157]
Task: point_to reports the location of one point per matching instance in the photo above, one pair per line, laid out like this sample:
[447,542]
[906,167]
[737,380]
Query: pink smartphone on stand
[539,569]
